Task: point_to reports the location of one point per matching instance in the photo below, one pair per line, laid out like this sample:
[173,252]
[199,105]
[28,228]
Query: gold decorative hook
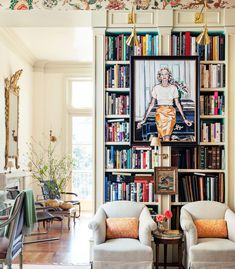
[52,137]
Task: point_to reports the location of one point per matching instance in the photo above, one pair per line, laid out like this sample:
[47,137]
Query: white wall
[10,63]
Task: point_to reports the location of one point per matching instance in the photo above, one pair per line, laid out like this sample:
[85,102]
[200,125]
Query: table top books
[168,234]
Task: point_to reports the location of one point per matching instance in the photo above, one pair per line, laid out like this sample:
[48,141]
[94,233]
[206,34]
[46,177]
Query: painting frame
[144,70]
[166,180]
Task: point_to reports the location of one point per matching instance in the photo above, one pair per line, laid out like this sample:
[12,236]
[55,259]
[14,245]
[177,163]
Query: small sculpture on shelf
[162,219]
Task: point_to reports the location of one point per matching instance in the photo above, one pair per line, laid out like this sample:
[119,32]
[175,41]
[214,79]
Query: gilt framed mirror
[12,94]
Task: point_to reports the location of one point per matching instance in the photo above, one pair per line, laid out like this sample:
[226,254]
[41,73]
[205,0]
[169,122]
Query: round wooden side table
[168,239]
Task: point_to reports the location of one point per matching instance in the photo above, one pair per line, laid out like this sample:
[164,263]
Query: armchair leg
[21,260]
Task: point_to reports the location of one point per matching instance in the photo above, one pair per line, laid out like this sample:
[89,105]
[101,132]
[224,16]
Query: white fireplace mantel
[13,179]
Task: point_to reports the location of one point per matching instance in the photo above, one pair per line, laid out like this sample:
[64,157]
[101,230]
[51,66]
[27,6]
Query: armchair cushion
[211,228]
[122,228]
[213,250]
[126,249]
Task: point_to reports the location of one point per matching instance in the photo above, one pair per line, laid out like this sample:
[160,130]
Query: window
[81,129]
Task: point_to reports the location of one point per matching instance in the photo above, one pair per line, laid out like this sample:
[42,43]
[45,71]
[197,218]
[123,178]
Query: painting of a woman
[164,93]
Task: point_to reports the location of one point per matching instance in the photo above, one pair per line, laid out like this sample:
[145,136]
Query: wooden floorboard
[71,249]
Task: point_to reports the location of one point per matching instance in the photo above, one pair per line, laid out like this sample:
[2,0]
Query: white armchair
[122,253]
[208,253]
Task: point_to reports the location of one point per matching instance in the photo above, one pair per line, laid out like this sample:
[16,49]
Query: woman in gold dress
[165,93]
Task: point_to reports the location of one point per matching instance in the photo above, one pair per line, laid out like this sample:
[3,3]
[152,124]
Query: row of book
[117,76]
[212,157]
[117,131]
[212,75]
[132,158]
[116,48]
[141,189]
[212,132]
[212,104]
[184,43]
[201,187]
[116,104]
[184,158]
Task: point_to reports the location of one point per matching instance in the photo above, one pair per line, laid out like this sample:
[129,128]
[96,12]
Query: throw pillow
[211,228]
[122,228]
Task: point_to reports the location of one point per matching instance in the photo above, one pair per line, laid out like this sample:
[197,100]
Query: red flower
[168,214]
[160,218]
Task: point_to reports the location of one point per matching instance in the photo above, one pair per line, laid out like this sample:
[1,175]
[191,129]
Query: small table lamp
[155,142]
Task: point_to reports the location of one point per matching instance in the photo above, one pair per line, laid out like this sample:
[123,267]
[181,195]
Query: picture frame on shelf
[165,99]
[166,180]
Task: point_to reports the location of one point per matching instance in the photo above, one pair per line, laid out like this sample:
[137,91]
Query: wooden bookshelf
[118,179]
[174,26]
[196,183]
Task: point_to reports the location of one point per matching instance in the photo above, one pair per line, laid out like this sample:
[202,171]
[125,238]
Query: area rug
[34,266]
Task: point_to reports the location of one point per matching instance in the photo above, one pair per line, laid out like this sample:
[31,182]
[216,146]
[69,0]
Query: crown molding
[12,42]
[63,67]
[46,18]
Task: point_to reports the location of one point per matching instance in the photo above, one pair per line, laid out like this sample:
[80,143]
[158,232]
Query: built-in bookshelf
[128,169]
[202,169]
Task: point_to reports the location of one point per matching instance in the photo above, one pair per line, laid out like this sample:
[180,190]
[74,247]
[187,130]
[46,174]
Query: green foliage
[48,165]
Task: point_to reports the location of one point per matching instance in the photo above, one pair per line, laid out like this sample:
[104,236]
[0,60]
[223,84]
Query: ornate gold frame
[11,87]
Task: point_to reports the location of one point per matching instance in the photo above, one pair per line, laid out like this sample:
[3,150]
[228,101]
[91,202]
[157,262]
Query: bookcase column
[98,75]
[230,119]
[164,49]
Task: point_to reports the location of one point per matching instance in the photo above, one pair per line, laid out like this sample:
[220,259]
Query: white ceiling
[56,44]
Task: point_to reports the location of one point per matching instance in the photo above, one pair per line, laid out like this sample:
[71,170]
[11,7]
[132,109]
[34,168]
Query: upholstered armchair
[122,253]
[208,252]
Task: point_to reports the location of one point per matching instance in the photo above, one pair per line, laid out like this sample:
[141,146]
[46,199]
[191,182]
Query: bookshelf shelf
[117,116]
[117,143]
[212,89]
[117,90]
[212,144]
[130,170]
[212,116]
[212,62]
[201,170]
[117,62]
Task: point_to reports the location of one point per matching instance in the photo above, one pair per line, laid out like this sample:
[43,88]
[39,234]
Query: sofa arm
[98,226]
[146,226]
[188,227]
[230,218]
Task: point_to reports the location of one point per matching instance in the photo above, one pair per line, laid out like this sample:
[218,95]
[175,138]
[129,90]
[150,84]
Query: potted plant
[46,165]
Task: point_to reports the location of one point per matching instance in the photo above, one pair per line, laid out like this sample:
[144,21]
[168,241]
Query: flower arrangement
[46,164]
[161,218]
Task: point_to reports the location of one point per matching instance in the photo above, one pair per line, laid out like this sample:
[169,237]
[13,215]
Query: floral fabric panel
[111,4]
[122,228]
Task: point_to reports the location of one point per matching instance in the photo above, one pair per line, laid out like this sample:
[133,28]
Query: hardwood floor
[71,249]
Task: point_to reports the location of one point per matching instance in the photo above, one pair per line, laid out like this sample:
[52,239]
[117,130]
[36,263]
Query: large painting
[164,99]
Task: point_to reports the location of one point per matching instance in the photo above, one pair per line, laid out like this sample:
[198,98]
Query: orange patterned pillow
[211,228]
[122,228]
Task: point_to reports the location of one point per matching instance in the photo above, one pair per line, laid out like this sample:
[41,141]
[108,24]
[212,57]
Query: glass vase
[161,228]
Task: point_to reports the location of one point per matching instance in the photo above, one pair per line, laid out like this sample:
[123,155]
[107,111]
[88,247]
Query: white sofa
[208,253]
[122,253]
